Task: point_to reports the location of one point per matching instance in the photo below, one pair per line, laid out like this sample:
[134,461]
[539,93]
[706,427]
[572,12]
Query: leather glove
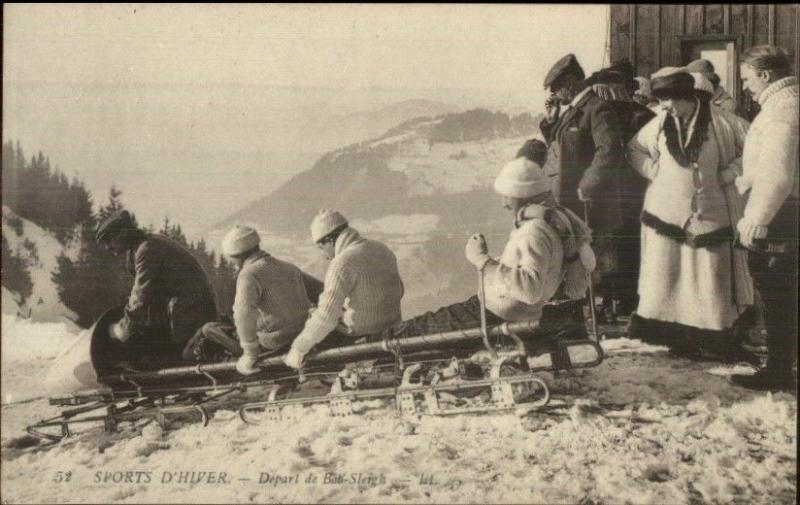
[245,365]
[117,332]
[293,359]
[476,251]
[749,232]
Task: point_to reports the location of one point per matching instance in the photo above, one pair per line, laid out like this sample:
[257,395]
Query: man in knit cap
[547,250]
[272,301]
[719,96]
[170,299]
[769,226]
[362,287]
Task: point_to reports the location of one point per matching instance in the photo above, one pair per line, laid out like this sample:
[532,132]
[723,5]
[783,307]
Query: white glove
[245,365]
[293,359]
[742,185]
[476,251]
[749,232]
[116,332]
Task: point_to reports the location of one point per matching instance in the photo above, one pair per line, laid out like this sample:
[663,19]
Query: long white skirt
[681,284]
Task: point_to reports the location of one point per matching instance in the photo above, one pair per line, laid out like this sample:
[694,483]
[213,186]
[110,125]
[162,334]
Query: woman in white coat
[693,283]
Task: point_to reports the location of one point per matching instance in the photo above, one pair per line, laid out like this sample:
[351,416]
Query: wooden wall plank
[647,38]
[671,30]
[738,21]
[760,25]
[620,31]
[695,15]
[714,21]
[786,29]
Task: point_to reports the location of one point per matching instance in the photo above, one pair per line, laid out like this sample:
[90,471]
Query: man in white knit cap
[272,301]
[547,250]
[362,286]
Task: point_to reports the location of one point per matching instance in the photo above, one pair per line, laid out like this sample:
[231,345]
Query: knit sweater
[271,302]
[362,292]
[532,266]
[771,153]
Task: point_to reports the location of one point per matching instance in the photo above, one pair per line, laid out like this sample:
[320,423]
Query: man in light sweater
[362,287]
[272,301]
[769,226]
[547,250]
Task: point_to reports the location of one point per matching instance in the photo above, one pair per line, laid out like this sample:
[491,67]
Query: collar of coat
[777,87]
[349,237]
[255,257]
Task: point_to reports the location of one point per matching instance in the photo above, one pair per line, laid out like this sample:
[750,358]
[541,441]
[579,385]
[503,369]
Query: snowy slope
[43,304]
[644,428]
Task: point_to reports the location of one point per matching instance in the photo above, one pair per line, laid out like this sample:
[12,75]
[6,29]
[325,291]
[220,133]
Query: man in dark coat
[588,147]
[632,116]
[171,296]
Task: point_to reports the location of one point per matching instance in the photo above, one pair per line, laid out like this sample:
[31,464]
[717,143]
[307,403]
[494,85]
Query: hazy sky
[170,101]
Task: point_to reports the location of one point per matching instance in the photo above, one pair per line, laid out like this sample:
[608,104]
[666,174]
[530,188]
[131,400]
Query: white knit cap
[702,83]
[239,239]
[521,178]
[325,222]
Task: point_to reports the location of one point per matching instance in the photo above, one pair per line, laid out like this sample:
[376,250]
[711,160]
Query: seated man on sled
[362,288]
[273,298]
[548,249]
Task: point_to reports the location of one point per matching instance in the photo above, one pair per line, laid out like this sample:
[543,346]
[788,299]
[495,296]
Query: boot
[768,379]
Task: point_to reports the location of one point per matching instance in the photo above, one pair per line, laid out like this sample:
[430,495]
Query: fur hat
[521,178]
[239,239]
[704,67]
[326,222]
[566,65]
[675,85]
[115,223]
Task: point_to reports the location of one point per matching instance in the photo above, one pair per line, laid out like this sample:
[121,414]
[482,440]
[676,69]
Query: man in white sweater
[272,301]
[769,226]
[362,287]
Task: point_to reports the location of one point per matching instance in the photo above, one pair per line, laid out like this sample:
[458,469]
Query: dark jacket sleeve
[607,150]
[146,264]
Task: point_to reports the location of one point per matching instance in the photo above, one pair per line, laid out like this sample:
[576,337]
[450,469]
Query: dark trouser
[626,278]
[458,316]
[213,342]
[218,341]
[775,276]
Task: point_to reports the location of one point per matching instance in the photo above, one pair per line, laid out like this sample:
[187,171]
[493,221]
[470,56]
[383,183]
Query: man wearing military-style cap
[171,296]
[585,140]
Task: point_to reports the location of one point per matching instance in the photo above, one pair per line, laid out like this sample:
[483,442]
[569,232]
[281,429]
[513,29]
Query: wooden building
[654,36]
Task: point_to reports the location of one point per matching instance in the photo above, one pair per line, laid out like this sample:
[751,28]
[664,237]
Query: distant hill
[422,187]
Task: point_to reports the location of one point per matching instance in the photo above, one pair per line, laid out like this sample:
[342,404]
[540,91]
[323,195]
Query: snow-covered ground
[643,427]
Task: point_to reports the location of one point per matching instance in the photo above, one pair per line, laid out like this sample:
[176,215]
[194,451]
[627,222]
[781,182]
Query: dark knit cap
[677,85]
[113,224]
[568,65]
[534,150]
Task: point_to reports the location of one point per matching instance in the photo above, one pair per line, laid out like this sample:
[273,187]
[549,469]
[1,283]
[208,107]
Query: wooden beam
[633,30]
[658,36]
[751,26]
[682,31]
[726,19]
[771,24]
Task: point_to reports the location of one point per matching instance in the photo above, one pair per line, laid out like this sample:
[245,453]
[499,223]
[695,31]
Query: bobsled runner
[476,370]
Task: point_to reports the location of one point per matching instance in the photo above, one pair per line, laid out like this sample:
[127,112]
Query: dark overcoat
[171,297]
[589,148]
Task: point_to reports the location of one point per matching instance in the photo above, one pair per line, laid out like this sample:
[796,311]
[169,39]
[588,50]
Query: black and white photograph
[399,253]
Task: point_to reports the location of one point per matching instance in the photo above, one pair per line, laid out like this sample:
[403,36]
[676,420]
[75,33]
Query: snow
[43,304]
[643,427]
